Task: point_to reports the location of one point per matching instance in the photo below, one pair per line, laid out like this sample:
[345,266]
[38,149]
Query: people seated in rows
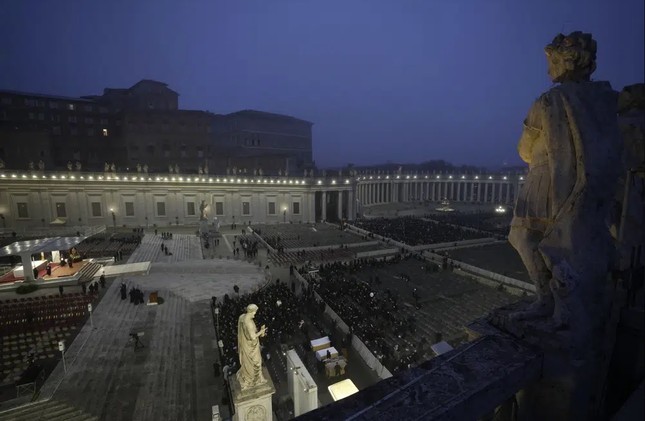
[414,231]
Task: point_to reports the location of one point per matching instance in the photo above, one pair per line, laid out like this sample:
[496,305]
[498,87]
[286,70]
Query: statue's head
[251,309]
[571,58]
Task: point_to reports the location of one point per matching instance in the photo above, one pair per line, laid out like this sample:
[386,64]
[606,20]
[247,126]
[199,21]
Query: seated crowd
[305,235]
[376,318]
[415,231]
[484,221]
[279,309]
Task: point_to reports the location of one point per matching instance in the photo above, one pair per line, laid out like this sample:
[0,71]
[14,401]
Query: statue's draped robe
[570,197]
[248,345]
[573,146]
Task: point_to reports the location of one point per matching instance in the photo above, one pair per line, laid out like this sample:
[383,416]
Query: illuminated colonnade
[494,189]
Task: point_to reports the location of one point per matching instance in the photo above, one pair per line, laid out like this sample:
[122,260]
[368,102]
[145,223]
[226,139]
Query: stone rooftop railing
[466,383]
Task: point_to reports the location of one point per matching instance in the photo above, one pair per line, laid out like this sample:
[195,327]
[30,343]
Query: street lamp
[217,319]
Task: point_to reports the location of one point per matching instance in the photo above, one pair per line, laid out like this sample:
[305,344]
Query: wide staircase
[46,410]
[88,271]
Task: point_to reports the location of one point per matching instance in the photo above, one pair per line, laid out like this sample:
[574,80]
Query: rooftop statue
[560,228]
[248,347]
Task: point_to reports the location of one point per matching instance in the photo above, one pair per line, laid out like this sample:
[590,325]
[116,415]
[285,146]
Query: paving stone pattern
[171,378]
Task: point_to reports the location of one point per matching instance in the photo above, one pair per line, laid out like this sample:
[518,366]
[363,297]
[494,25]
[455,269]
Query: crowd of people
[136,295]
[279,309]
[415,231]
[165,235]
[376,317]
[249,245]
[493,223]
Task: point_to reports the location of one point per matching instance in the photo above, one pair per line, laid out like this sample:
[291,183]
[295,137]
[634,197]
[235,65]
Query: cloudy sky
[383,80]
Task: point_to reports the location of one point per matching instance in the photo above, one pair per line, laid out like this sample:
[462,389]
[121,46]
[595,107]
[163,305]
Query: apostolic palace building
[131,157]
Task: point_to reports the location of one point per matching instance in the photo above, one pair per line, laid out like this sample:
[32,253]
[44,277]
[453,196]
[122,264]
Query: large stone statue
[248,346]
[562,229]
[572,144]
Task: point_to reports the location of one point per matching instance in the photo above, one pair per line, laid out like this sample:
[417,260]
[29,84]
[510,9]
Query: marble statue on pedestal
[248,347]
[572,144]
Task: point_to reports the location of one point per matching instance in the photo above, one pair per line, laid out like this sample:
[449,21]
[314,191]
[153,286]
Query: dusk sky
[382,80]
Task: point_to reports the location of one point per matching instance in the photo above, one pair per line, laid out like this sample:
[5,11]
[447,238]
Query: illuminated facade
[38,199]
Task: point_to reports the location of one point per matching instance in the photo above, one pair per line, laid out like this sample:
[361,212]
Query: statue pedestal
[253,404]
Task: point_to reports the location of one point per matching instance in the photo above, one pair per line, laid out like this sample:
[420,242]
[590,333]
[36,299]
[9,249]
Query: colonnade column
[340,205]
[508,193]
[458,191]
[323,199]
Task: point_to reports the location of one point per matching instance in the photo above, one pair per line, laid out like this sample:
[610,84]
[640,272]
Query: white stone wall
[140,201]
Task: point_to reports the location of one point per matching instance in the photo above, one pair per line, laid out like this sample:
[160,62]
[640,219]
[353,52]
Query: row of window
[165,127]
[97,211]
[167,151]
[55,105]
[70,119]
[74,131]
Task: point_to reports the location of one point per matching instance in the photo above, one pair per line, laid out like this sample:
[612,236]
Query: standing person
[60,289]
